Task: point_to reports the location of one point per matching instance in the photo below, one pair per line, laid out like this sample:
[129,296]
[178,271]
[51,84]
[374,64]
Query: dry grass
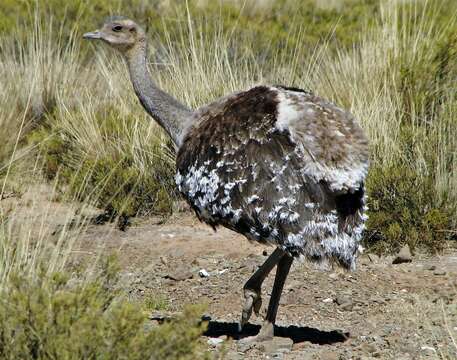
[73,108]
[85,100]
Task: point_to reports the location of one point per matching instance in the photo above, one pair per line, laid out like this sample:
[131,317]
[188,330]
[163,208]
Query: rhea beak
[95,35]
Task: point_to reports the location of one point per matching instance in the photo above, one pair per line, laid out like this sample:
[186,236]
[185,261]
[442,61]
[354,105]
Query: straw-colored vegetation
[68,113]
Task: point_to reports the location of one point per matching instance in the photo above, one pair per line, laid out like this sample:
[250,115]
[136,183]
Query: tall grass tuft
[397,79]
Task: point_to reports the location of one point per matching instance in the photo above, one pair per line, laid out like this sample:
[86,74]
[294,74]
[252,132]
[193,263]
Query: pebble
[430,267]
[276,345]
[159,317]
[207,317]
[244,346]
[215,341]
[203,273]
[377,299]
[439,272]
[344,302]
[373,258]
[346,306]
[334,276]
[368,348]
[329,355]
[428,348]
[403,256]
[180,274]
[340,300]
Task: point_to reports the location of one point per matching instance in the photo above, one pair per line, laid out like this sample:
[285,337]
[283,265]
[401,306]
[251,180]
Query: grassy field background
[69,118]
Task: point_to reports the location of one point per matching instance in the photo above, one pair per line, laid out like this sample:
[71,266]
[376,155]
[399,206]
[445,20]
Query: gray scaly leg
[252,288]
[267,330]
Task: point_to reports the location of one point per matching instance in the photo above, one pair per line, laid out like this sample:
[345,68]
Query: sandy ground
[405,311]
[383,311]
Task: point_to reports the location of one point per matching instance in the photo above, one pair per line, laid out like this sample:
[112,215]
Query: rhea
[279,165]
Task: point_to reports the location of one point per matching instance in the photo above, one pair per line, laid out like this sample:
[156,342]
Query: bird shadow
[297,334]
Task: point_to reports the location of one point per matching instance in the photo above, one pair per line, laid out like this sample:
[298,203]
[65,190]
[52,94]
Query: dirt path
[384,311]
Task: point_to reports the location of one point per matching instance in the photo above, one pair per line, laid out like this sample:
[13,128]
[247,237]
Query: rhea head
[121,33]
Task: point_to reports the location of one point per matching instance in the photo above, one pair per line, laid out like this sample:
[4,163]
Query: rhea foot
[267,330]
[252,302]
[266,333]
[252,292]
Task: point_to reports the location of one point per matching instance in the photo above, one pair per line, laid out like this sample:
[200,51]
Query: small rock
[439,272]
[373,258]
[329,355]
[347,306]
[428,349]
[430,267]
[340,300]
[159,317]
[203,273]
[276,345]
[291,297]
[377,299]
[206,317]
[328,300]
[215,341]
[345,303]
[244,346]
[403,256]
[249,264]
[180,274]
[278,356]
[334,276]
[233,355]
[163,260]
[300,346]
[368,348]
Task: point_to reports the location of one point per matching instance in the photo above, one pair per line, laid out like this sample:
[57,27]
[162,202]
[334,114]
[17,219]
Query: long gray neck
[165,109]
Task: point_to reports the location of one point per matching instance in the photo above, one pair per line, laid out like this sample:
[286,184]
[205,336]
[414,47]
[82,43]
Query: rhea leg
[252,288]
[267,330]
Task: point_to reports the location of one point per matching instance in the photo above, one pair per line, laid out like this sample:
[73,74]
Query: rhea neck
[165,109]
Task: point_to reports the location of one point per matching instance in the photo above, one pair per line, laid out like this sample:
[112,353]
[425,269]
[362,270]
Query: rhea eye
[117,28]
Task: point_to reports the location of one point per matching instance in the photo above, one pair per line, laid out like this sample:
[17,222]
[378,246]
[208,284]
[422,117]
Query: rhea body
[279,165]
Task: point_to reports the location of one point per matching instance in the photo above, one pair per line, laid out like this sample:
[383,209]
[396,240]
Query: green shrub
[402,211]
[119,183]
[122,188]
[47,317]
[155,302]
